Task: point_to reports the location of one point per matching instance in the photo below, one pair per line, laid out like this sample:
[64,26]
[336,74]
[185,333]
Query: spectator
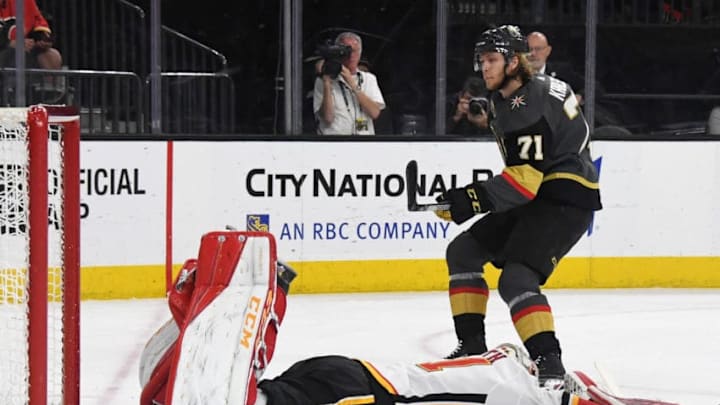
[38,39]
[540,51]
[464,119]
[347,104]
[606,112]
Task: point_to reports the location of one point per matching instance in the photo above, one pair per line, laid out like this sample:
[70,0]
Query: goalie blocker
[226,308]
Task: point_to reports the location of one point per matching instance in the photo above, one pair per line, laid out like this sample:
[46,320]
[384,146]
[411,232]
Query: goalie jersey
[493,378]
[544,140]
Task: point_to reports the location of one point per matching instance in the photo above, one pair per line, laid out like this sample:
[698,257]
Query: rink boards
[338,212]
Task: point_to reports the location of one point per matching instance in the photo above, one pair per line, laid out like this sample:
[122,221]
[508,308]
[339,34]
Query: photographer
[346,100]
[467,109]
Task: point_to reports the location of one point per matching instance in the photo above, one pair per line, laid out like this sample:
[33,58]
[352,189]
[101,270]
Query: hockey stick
[603,398]
[580,382]
[411,184]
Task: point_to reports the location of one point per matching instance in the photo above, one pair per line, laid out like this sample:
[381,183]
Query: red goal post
[40,255]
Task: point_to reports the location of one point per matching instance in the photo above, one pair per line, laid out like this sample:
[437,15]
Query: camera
[334,55]
[477,105]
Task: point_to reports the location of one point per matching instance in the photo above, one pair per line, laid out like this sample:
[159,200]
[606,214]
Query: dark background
[398,36]
[399,44]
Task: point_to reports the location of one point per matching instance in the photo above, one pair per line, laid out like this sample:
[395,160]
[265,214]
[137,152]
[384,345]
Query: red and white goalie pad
[226,308]
[580,384]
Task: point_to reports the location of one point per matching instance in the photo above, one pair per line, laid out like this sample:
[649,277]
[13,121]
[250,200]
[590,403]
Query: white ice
[655,343]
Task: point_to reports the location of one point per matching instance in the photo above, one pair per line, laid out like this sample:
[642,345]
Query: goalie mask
[514,352]
[506,39]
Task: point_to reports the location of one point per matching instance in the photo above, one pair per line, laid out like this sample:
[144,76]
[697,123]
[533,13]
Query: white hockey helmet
[515,352]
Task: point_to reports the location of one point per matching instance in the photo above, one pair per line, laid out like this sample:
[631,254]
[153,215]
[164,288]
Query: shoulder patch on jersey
[517,101]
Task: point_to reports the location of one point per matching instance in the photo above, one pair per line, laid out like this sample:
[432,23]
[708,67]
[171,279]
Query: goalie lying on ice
[227,307]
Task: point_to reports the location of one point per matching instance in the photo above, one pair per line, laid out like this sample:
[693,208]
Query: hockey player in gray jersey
[537,208]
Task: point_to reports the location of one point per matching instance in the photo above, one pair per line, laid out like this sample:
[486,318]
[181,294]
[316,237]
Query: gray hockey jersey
[544,140]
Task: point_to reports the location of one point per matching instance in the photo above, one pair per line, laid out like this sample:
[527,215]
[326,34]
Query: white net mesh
[55,265]
[14,259]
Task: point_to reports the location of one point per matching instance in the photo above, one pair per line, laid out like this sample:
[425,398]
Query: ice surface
[656,343]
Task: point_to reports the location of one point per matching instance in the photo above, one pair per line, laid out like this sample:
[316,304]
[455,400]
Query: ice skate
[551,373]
[468,347]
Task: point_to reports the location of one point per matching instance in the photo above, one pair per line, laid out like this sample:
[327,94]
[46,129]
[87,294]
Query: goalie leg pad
[231,269]
[229,332]
[266,349]
[156,350]
[155,389]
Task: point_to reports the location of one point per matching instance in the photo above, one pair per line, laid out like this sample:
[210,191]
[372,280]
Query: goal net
[39,255]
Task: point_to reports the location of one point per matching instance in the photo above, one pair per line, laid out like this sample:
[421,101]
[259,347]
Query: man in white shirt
[348,103]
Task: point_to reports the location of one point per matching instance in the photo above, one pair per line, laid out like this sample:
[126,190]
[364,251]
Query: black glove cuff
[460,205]
[477,193]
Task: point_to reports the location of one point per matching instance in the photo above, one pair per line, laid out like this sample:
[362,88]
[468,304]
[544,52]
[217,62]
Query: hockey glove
[464,202]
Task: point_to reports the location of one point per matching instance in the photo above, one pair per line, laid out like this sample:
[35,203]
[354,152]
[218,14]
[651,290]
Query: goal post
[40,255]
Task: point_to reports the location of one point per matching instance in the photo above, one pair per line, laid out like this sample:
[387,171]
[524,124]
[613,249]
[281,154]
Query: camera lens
[477,105]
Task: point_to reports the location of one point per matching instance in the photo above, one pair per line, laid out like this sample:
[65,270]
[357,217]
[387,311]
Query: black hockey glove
[464,202]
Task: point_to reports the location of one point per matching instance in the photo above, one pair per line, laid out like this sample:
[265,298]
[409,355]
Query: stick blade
[411,188]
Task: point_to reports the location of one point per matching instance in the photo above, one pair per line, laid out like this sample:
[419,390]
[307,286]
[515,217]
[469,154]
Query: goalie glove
[464,203]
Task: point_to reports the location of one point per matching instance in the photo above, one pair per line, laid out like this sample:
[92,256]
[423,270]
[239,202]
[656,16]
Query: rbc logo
[258,222]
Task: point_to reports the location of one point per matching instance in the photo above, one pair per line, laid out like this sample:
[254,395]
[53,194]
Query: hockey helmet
[516,353]
[506,39]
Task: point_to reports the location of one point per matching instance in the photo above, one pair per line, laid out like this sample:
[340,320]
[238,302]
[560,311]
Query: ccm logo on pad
[251,320]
